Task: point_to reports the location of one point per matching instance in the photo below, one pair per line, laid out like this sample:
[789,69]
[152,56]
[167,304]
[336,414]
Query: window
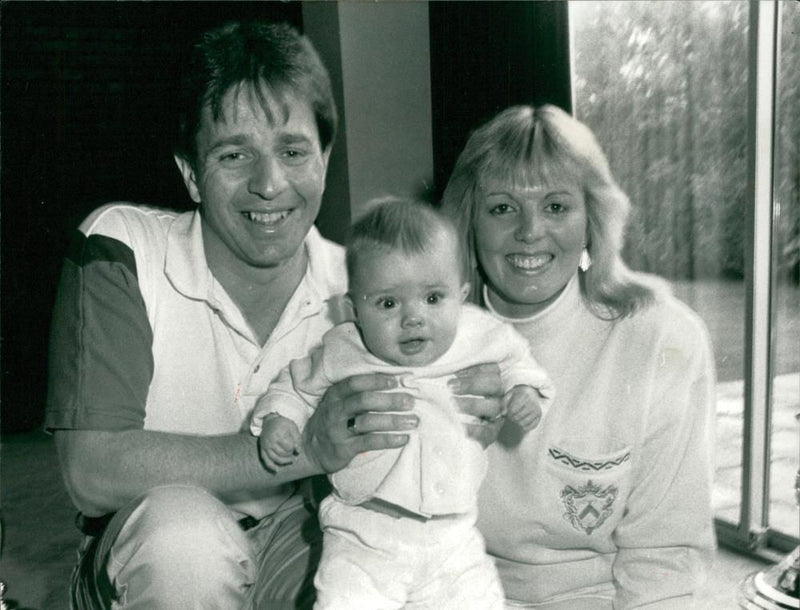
[785,438]
[680,95]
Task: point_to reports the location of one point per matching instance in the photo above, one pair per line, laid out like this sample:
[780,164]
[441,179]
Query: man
[168,326]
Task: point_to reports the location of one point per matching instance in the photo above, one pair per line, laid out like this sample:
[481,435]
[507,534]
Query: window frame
[752,535]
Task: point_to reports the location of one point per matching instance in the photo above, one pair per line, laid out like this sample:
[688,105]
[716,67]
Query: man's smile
[267,218]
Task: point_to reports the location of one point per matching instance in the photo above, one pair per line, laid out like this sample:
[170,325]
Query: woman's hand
[479,392]
[352,418]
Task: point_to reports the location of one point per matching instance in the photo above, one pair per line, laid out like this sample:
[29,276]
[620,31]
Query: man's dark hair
[267,58]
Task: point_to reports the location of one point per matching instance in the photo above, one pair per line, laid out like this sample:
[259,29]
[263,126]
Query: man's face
[259,183]
[408,305]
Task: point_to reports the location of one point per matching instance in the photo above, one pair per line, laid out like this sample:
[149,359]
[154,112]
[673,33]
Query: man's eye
[434,298]
[232,157]
[294,156]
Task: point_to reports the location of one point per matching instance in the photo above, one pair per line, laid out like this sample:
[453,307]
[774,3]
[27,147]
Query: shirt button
[438,451]
[439,488]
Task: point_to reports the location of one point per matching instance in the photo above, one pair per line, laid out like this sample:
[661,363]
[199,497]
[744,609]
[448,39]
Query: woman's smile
[529,262]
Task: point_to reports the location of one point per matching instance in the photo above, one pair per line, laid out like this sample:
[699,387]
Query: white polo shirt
[145,337]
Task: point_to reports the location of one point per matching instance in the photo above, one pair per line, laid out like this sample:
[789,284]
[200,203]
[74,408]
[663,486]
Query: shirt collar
[570,294]
[185,264]
[187,269]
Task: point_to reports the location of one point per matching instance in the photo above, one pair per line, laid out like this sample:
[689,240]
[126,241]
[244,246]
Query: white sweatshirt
[608,501]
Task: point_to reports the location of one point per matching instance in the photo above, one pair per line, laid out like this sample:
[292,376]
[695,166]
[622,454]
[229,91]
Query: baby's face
[408,305]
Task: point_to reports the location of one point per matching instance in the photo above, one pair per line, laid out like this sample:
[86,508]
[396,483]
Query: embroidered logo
[580,464]
[588,507]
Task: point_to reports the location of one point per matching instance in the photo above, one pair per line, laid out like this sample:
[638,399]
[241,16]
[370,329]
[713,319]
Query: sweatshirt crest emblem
[588,507]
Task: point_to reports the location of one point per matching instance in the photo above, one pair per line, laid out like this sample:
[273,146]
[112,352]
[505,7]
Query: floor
[784,451]
[39,541]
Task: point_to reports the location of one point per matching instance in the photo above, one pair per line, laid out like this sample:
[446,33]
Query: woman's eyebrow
[515,194]
[498,192]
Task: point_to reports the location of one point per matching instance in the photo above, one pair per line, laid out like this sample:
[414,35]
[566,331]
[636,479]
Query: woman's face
[529,241]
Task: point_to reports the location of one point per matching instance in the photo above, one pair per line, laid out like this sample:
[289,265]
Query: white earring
[585,261]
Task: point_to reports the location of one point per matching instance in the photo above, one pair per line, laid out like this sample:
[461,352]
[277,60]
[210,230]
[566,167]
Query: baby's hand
[522,405]
[279,442]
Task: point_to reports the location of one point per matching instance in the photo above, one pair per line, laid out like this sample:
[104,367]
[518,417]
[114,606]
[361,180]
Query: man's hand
[354,417]
[479,392]
[522,405]
[279,442]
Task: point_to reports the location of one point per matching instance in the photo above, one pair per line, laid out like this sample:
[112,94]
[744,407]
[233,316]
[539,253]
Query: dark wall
[486,56]
[86,113]
[86,118]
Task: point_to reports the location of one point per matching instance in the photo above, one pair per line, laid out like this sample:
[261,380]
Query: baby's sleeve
[294,393]
[519,367]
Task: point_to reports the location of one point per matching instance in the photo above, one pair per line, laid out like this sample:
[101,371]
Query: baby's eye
[387,303]
[434,298]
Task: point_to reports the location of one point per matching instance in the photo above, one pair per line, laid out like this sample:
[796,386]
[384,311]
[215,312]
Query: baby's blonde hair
[396,224]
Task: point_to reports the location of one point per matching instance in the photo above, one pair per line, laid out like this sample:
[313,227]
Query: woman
[607,504]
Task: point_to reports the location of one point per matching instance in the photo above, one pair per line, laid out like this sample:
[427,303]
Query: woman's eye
[500,208]
[555,206]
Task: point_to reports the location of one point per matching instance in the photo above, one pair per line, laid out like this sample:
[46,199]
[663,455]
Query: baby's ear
[465,291]
[351,306]
[340,309]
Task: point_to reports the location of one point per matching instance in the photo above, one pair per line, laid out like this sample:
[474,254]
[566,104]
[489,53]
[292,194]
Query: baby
[399,527]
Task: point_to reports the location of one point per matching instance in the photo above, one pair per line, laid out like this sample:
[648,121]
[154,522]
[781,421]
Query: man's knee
[157,551]
[181,523]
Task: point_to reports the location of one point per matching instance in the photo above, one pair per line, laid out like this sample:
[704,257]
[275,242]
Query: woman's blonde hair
[527,145]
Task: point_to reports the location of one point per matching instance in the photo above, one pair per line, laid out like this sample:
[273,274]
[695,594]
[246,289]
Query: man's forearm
[104,470]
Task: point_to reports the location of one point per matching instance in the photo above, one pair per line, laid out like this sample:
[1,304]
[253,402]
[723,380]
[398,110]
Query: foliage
[664,85]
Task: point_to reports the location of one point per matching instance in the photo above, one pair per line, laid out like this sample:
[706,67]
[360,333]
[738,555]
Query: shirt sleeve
[666,539]
[101,361]
[295,392]
[520,368]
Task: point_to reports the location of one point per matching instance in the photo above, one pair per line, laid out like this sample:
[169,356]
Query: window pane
[785,439]
[664,87]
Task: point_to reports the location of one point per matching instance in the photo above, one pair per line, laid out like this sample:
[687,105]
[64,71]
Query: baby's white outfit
[399,528]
